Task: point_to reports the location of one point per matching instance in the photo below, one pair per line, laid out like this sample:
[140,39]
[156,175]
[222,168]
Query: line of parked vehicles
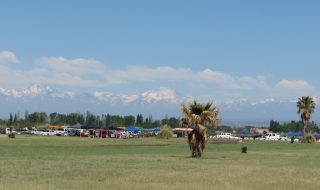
[268,137]
[98,133]
[102,133]
[34,131]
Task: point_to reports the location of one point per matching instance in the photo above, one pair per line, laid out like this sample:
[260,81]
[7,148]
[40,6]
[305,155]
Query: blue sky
[210,50]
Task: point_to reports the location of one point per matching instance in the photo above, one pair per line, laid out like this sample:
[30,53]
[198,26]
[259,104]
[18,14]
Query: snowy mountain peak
[162,93]
[115,98]
[151,96]
[32,91]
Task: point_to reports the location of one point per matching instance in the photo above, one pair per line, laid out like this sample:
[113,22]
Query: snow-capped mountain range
[158,102]
[152,96]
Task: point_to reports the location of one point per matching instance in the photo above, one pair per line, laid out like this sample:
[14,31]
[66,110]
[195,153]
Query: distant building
[260,131]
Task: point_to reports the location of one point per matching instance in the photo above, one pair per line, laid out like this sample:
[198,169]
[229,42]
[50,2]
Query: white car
[47,132]
[272,136]
[284,138]
[60,132]
[225,136]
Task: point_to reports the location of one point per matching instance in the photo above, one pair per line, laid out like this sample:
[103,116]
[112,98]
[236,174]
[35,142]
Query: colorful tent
[90,126]
[132,129]
[292,133]
[244,131]
[316,134]
[76,126]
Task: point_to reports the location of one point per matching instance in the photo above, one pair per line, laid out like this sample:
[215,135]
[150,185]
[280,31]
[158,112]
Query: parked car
[84,133]
[260,138]
[104,133]
[2,131]
[20,131]
[272,136]
[47,132]
[285,138]
[71,132]
[225,136]
[60,132]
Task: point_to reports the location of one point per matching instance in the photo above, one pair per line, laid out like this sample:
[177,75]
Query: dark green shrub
[244,149]
[12,135]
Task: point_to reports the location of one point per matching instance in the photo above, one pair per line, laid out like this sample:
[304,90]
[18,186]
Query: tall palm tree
[198,116]
[306,106]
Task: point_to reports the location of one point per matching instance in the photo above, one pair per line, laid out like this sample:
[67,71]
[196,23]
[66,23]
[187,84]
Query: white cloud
[265,101]
[57,71]
[233,101]
[92,73]
[71,66]
[206,83]
[227,81]
[146,74]
[8,56]
[290,89]
[294,84]
[206,77]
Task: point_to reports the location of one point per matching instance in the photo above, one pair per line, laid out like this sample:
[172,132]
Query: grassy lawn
[34,162]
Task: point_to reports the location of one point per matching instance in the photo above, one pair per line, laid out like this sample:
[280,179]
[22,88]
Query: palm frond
[197,113]
[306,106]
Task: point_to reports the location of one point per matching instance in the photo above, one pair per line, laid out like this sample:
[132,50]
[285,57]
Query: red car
[84,133]
[104,133]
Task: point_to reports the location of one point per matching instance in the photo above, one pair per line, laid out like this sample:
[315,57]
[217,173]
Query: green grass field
[34,162]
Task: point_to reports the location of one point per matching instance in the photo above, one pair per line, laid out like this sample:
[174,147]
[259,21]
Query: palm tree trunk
[305,127]
[195,152]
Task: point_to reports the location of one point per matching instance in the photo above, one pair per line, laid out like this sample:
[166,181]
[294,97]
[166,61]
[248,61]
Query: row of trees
[103,121]
[306,106]
[277,127]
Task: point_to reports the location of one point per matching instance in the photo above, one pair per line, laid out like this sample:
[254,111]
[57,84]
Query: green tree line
[277,127]
[103,121]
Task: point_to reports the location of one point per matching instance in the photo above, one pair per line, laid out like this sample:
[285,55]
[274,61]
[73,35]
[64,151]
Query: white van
[225,136]
[7,130]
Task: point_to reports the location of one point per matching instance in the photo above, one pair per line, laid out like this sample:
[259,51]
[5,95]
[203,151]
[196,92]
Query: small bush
[244,149]
[12,135]
[165,132]
[308,139]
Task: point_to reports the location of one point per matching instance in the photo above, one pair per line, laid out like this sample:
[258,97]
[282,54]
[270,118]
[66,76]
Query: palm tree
[198,116]
[306,106]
